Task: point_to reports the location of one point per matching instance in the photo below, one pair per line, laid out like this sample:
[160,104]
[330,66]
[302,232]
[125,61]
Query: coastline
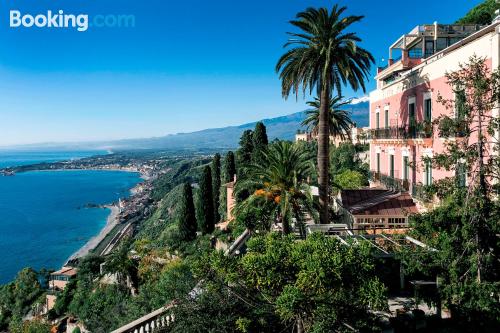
[111,221]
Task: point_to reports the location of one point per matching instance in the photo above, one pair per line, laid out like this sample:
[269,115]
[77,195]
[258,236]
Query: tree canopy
[484,13]
[317,285]
[278,185]
[186,214]
[216,183]
[206,202]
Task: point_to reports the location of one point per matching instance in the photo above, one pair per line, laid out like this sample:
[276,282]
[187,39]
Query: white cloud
[358,100]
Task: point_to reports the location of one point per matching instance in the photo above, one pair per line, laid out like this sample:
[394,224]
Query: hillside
[283,127]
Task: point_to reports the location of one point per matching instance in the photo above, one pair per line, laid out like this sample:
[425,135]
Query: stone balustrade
[149,323]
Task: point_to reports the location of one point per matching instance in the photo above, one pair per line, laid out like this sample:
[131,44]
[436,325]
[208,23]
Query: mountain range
[283,127]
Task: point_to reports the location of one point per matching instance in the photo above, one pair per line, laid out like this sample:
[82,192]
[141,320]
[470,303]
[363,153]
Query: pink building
[405,101]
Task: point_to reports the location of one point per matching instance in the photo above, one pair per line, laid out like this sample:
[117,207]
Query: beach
[111,222]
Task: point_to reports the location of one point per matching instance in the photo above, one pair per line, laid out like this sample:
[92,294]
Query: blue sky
[186,65]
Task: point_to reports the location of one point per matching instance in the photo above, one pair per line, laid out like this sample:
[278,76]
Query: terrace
[420,43]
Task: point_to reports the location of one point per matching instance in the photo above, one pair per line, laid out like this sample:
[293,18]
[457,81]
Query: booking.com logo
[60,20]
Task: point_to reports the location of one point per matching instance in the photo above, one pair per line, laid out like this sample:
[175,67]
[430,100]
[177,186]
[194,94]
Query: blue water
[9,158]
[42,221]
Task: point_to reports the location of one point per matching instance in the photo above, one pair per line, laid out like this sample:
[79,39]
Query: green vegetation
[18,298]
[346,170]
[186,214]
[278,285]
[34,326]
[206,203]
[350,180]
[279,185]
[484,13]
[216,184]
[180,170]
[229,167]
[324,57]
[339,121]
[246,149]
[260,141]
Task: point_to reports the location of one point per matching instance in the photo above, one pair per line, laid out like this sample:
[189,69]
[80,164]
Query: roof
[67,271]
[378,202]
[352,197]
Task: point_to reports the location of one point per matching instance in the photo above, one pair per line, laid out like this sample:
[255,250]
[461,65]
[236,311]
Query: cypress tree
[206,202]
[260,135]
[229,167]
[186,214]
[216,183]
[246,148]
[260,140]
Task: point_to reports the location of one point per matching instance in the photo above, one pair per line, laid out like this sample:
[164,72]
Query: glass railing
[415,53]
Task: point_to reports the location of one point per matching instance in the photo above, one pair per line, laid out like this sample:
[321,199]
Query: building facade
[404,104]
[356,135]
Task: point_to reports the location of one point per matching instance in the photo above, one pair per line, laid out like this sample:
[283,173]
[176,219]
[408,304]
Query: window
[441,43]
[428,173]
[429,48]
[411,113]
[413,121]
[378,162]
[415,52]
[378,120]
[391,166]
[454,40]
[406,168]
[461,174]
[397,220]
[386,118]
[428,109]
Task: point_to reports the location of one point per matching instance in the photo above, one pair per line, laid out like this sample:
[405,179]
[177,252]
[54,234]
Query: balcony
[424,193]
[392,182]
[422,130]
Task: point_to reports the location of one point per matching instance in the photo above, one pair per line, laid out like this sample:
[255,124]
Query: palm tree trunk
[323,153]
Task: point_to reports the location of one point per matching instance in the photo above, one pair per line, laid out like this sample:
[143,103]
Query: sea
[45,216]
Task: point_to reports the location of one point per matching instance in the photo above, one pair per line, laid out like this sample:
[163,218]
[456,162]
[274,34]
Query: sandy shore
[112,221]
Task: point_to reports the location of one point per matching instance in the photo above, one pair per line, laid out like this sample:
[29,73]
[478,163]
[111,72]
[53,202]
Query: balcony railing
[424,193]
[390,181]
[422,130]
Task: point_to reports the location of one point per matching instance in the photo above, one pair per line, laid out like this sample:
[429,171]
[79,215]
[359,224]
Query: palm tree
[324,57]
[339,121]
[279,184]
